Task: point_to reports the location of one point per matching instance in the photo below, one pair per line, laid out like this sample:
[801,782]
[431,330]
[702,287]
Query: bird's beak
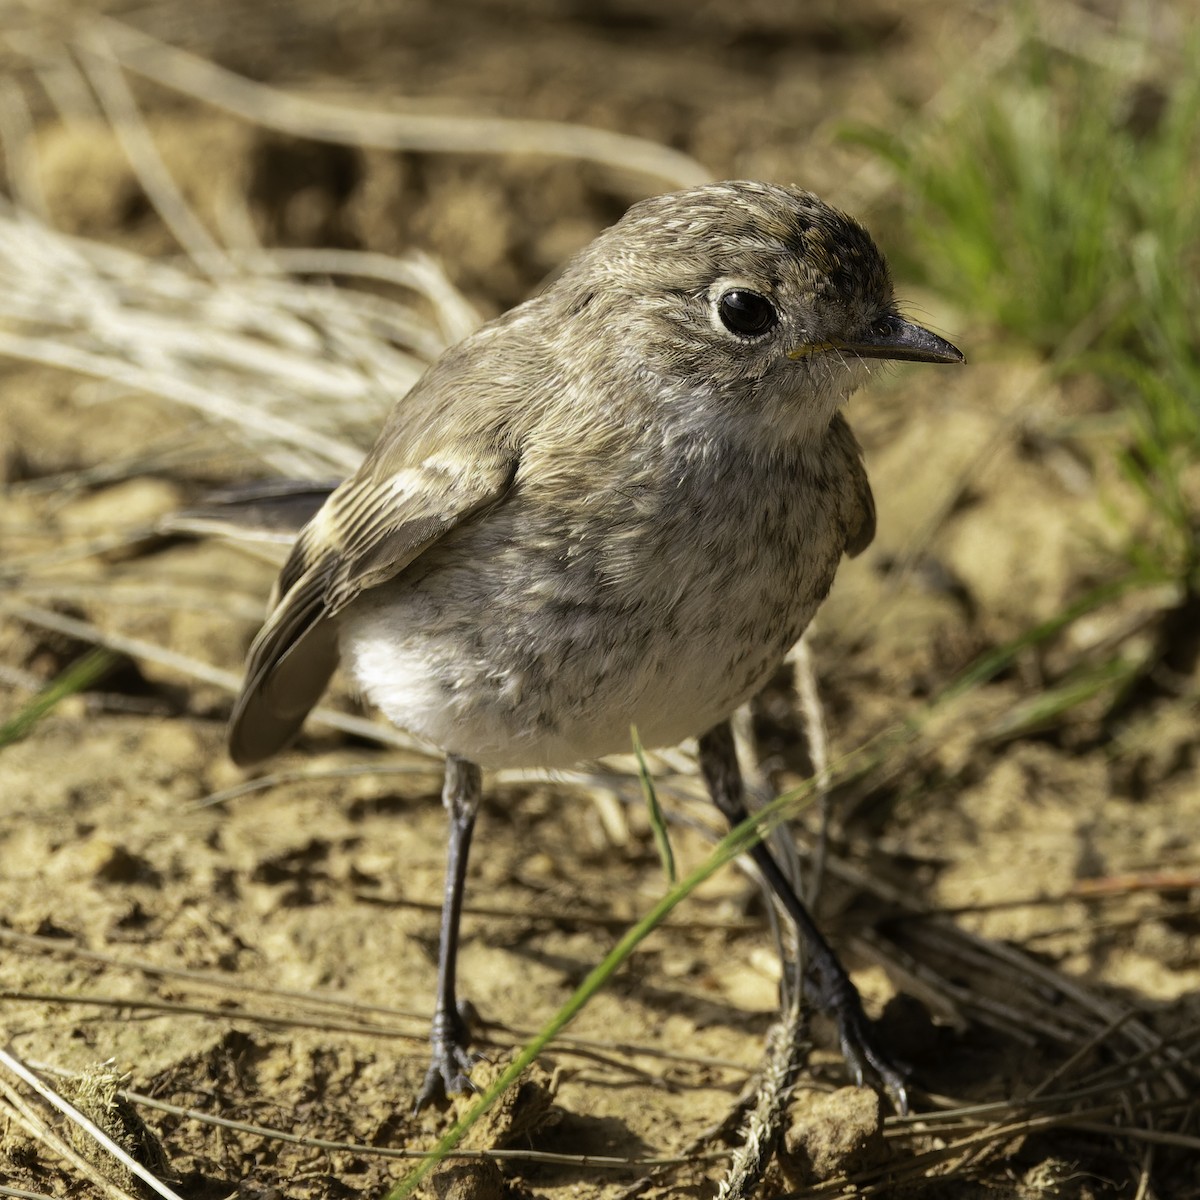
[892,338]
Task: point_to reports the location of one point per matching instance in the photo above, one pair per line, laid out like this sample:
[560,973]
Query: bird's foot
[859,1039]
[451,1062]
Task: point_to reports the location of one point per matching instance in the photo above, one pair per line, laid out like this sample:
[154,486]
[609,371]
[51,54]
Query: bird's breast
[537,633]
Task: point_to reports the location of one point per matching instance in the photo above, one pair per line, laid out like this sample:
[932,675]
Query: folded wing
[371,528]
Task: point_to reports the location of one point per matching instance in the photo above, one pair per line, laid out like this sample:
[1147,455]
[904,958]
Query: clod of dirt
[468,1181]
[520,1112]
[95,1094]
[833,1134]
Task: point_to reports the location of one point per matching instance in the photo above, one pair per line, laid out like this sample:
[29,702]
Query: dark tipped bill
[892,338]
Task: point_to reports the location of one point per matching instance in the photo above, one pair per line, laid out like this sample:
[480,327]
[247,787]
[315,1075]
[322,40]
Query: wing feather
[371,528]
[860,519]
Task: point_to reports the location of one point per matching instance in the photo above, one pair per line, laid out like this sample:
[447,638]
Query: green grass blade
[77,677]
[657,822]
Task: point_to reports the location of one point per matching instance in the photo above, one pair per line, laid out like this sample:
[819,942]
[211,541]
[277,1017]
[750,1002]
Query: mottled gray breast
[661,597]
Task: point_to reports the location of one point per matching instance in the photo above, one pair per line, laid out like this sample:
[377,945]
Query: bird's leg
[830,988]
[447,1072]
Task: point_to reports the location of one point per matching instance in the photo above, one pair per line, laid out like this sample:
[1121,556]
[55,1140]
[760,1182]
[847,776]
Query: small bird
[620,503]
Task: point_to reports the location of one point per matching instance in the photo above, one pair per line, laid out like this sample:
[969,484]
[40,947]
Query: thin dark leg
[451,1061]
[831,988]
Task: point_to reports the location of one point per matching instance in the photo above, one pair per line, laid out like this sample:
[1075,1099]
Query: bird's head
[757,301]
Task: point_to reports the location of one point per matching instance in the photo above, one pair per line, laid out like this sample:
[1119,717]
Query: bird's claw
[447,1076]
[859,1040]
[449,1069]
[864,1057]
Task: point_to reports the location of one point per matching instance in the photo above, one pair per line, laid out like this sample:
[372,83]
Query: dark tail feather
[263,510]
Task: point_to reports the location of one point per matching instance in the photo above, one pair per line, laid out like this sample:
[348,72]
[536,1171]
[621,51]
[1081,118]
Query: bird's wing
[860,516]
[371,528]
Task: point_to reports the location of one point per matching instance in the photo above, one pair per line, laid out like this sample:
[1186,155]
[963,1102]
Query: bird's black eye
[746,313]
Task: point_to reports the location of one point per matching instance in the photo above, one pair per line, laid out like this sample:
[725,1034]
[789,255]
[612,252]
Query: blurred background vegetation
[1061,204]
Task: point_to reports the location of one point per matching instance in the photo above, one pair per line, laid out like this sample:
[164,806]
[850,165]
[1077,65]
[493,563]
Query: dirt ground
[270,958]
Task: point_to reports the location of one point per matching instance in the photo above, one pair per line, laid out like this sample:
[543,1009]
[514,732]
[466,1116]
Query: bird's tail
[262,510]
